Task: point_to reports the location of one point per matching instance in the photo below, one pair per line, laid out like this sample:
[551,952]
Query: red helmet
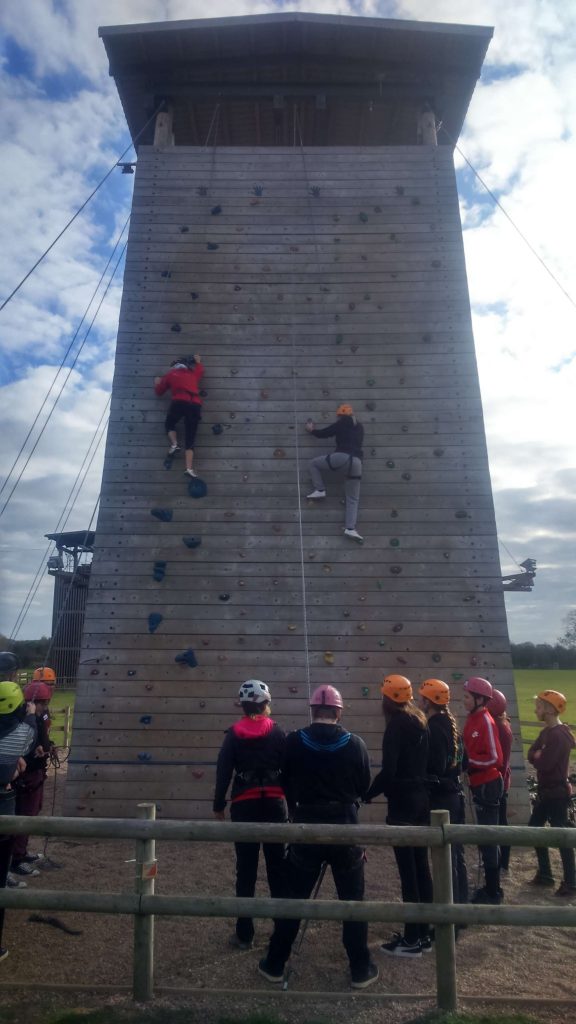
[38,691]
[497,703]
[326,696]
[480,687]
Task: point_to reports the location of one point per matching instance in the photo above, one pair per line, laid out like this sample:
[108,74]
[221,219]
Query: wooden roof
[353,81]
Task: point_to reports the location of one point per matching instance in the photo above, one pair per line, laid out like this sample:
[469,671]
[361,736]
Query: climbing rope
[68,375]
[63,363]
[83,206]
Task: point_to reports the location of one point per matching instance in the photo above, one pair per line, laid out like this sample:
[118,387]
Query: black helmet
[8,662]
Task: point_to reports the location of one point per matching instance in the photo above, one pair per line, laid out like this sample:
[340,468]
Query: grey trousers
[353,467]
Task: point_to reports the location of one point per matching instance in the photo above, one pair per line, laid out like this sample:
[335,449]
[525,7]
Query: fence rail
[144,905]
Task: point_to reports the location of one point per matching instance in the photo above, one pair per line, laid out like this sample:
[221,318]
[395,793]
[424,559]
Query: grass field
[60,700]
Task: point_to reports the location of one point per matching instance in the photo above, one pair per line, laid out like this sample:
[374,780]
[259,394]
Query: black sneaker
[3,953]
[33,858]
[266,971]
[399,947]
[544,880]
[361,979]
[426,944]
[239,943]
[483,896]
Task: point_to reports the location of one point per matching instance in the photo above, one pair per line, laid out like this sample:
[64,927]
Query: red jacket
[482,746]
[183,383]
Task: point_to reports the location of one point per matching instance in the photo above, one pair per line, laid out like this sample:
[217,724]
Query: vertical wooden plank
[143,966]
[444,941]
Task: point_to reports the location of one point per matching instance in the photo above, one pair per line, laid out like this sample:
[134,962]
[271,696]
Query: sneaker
[22,868]
[190,472]
[173,449]
[565,889]
[483,896]
[316,495]
[268,973]
[354,535]
[426,944]
[3,953]
[399,947]
[243,944]
[544,880]
[14,883]
[33,858]
[361,979]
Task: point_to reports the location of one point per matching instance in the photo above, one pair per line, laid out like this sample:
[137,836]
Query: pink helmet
[480,687]
[497,703]
[326,696]
[38,691]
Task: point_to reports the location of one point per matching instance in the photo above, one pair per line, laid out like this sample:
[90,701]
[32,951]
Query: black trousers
[7,806]
[415,883]
[455,804]
[503,820]
[554,811]
[304,866]
[248,855]
[191,413]
[486,799]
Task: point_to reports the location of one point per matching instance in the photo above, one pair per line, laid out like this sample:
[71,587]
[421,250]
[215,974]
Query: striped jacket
[15,742]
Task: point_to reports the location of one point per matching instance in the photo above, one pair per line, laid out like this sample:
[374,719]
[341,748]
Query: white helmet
[254,691]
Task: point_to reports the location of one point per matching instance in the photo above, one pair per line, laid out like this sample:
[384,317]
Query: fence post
[446,992]
[143,967]
[66,742]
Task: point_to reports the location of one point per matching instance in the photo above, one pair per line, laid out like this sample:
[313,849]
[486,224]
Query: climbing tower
[295,221]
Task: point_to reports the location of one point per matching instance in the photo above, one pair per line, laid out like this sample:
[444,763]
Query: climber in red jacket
[183,382]
[484,766]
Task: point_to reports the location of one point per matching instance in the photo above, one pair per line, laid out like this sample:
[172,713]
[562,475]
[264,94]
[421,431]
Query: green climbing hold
[365,691]
[371,382]
[457,675]
[363,217]
[339,339]
[394,542]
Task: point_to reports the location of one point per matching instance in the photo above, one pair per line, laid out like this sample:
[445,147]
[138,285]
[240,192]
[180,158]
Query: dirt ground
[195,954]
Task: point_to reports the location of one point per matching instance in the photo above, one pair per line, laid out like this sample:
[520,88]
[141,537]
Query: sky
[62,128]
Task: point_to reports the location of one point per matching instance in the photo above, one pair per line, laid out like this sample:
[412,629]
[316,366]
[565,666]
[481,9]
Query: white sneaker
[190,472]
[315,495]
[173,449]
[354,535]
[14,883]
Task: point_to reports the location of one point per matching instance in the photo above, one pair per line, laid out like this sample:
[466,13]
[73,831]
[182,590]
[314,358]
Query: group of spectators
[321,774]
[25,750]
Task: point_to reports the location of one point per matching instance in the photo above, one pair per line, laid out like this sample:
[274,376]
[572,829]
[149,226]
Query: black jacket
[252,752]
[444,762]
[402,779]
[349,435]
[326,773]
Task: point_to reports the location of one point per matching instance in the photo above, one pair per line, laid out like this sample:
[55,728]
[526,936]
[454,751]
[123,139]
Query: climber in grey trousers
[348,434]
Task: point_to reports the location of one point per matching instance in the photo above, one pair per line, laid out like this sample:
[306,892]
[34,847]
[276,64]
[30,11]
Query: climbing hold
[404,428]
[328,657]
[394,542]
[370,406]
[258,190]
[324,288]
[363,217]
[395,570]
[149,687]
[436,263]
[394,514]
[461,514]
[339,362]
[154,620]
[398,627]
[337,241]
[315,190]
[176,328]
[353,348]
[365,691]
[406,476]
[145,719]
[390,464]
[438,452]
[367,296]
[144,756]
[212,246]
[400,360]
[469,597]
[377,209]
[159,570]
[436,658]
[351,305]
[364,258]
[473,661]
[401,660]
[184,229]
[186,657]
[393,236]
[229,515]
[223,597]
[167,463]
[339,339]
[217,428]
[194,296]
[427,338]
[264,393]
[192,542]
[327,568]
[163,514]
[381,643]
[216,210]
[166,273]
[379,585]
[237,288]
[222,657]
[197,488]
[361,626]
[279,453]
[457,675]
[197,772]
[94,671]
[233,372]
[346,614]
[293,689]
[415,201]
[291,627]
[202,190]
[362,598]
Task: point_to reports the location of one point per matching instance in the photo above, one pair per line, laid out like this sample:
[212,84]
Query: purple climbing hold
[398,627]
[186,658]
[154,620]
[163,514]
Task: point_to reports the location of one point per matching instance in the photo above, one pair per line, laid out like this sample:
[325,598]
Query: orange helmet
[344,410]
[556,699]
[44,675]
[397,688]
[435,690]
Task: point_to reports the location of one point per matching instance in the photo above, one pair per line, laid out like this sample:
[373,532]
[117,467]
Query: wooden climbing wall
[304,279]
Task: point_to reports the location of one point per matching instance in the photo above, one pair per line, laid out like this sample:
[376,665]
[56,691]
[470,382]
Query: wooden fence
[144,905]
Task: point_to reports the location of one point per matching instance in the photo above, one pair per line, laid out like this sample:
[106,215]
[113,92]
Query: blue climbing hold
[192,542]
[217,428]
[145,719]
[144,756]
[212,246]
[159,571]
[197,488]
[176,328]
[163,514]
[168,462]
[154,620]
[186,658]
[194,296]
[216,210]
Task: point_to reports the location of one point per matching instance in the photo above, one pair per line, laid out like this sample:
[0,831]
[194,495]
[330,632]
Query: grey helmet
[254,691]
